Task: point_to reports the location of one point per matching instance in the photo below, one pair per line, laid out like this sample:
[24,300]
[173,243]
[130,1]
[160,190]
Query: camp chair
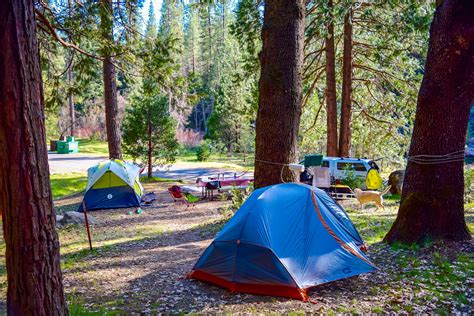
[178,195]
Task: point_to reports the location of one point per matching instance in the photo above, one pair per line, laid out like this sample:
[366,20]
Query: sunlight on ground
[67,184]
[138,259]
[89,146]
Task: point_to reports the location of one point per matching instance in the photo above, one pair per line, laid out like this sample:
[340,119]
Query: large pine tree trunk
[279,110]
[432,199]
[32,246]
[331,96]
[72,111]
[70,79]
[110,86]
[346,104]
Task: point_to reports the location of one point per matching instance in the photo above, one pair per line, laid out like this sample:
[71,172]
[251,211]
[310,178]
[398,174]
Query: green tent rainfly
[112,184]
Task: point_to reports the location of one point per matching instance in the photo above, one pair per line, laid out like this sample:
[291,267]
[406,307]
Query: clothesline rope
[273,163]
[456,156]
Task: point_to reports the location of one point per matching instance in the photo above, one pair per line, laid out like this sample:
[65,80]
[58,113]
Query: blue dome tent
[112,184]
[284,239]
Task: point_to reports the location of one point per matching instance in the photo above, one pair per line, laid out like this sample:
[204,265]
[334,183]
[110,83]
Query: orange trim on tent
[261,289]
[333,234]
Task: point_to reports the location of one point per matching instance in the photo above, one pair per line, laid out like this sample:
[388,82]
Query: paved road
[186,172]
[72,162]
[81,162]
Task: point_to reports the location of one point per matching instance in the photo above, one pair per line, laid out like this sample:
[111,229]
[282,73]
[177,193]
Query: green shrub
[237,198]
[352,180]
[203,152]
[468,185]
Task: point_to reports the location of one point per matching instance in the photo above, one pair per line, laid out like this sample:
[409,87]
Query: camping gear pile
[285,239]
[328,173]
[112,184]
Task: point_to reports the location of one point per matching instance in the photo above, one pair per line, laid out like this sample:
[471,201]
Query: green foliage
[237,198]
[468,185]
[247,29]
[157,180]
[203,152]
[390,42]
[352,180]
[93,146]
[230,122]
[147,123]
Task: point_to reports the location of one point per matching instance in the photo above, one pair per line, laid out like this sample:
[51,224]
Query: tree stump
[395,180]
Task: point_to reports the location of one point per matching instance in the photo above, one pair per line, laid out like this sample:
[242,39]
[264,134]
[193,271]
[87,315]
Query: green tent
[112,184]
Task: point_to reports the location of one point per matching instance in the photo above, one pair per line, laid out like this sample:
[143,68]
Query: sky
[156,7]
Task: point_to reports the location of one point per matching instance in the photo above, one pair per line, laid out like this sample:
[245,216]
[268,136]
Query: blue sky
[156,7]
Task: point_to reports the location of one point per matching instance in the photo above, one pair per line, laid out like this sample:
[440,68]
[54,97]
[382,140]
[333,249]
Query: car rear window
[325,164]
[356,166]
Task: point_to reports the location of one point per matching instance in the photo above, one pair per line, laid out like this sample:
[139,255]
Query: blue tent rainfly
[284,239]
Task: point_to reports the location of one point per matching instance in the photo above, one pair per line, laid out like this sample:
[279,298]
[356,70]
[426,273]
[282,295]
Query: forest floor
[140,261]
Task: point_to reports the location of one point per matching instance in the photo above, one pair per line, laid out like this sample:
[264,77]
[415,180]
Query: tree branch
[50,30]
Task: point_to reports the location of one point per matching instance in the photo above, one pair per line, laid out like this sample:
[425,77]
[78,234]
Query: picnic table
[221,183]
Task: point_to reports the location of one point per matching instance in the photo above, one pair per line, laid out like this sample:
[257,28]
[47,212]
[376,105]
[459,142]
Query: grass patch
[145,179]
[89,146]
[392,197]
[75,252]
[372,228]
[77,307]
[234,161]
[67,184]
[441,279]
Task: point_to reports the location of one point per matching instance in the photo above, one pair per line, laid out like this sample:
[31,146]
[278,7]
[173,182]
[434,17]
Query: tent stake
[87,224]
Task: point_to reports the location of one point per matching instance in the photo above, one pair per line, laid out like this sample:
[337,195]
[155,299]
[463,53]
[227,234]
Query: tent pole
[87,224]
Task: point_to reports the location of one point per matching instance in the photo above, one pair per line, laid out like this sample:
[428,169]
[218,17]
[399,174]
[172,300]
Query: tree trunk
[70,78]
[432,200]
[280,86]
[72,112]
[110,86]
[346,104]
[331,97]
[204,120]
[32,247]
[150,151]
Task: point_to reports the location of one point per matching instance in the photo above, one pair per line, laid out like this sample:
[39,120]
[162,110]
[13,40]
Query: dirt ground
[140,262]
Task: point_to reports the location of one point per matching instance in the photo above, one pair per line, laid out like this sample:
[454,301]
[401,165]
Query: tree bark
[331,96]
[150,151]
[70,79]
[32,247]
[432,199]
[72,111]
[280,85]
[346,104]
[110,86]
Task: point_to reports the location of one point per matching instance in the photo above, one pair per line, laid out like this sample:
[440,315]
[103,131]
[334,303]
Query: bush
[237,197]
[203,152]
[352,180]
[468,185]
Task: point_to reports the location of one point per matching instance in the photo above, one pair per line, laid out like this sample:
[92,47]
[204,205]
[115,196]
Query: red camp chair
[178,196]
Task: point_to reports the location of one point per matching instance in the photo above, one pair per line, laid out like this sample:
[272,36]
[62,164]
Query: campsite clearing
[140,261]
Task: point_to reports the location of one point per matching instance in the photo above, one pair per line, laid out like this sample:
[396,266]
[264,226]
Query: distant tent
[112,184]
[284,239]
